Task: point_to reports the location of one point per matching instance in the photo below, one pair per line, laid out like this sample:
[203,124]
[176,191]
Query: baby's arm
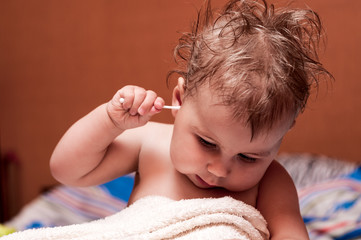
[97,148]
[278,202]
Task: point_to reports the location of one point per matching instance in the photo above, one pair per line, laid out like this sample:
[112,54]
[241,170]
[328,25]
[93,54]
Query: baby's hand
[138,107]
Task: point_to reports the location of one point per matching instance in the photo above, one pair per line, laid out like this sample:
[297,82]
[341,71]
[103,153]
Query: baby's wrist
[112,125]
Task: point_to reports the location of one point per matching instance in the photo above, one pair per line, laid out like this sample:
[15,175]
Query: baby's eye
[246,158]
[207,144]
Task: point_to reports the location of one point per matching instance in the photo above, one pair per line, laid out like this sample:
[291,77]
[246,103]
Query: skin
[205,153]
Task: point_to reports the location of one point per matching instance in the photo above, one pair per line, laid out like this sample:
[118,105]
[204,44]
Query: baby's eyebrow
[203,133]
[259,154]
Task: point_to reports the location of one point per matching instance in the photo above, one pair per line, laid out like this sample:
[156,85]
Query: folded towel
[156,217]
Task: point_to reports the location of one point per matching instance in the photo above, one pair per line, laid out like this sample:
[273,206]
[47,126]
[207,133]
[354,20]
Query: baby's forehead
[207,95]
[211,103]
[235,108]
[226,88]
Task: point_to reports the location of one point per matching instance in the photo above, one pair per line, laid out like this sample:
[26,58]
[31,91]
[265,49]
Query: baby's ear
[178,94]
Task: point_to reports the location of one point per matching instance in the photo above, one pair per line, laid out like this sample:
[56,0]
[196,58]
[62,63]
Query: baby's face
[214,150]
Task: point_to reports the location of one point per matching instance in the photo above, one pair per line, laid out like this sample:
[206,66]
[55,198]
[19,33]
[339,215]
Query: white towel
[156,217]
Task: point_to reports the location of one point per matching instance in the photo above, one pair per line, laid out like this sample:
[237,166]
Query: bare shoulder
[156,131]
[156,139]
[150,131]
[129,146]
[276,181]
[283,214]
[152,135]
[158,127]
[276,171]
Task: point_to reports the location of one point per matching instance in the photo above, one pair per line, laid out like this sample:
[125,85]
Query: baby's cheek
[187,161]
[183,164]
[243,179]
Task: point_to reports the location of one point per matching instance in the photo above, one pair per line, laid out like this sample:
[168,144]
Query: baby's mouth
[203,183]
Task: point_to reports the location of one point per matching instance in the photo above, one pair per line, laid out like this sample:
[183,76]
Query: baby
[247,77]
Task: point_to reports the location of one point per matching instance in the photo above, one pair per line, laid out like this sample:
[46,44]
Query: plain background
[59,59]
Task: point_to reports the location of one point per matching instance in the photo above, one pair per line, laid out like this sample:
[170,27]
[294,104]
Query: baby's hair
[259,60]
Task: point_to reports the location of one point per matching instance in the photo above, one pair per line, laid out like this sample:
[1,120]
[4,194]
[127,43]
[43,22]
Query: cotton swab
[121,100]
[171,107]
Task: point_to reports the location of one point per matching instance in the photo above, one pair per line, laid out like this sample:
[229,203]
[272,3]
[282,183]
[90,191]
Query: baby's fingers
[151,105]
[133,98]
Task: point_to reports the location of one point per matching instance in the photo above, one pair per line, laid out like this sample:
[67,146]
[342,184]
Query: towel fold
[156,217]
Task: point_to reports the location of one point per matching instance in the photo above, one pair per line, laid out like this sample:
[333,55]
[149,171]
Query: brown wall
[61,58]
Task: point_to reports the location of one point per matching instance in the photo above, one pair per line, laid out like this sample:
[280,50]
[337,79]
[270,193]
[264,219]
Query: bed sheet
[329,193]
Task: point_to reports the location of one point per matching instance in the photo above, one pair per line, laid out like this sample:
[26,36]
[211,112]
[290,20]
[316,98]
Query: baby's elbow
[55,169]
[59,170]
[67,173]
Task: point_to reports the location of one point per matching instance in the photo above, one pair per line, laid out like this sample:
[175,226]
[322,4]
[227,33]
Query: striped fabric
[64,205]
[94,202]
[332,209]
[91,202]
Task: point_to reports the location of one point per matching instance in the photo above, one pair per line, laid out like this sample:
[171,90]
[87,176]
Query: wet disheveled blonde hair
[259,60]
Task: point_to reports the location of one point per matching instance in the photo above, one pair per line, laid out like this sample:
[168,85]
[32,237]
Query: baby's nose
[218,168]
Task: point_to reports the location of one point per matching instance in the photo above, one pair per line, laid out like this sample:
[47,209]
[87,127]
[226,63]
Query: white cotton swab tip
[171,107]
[121,100]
